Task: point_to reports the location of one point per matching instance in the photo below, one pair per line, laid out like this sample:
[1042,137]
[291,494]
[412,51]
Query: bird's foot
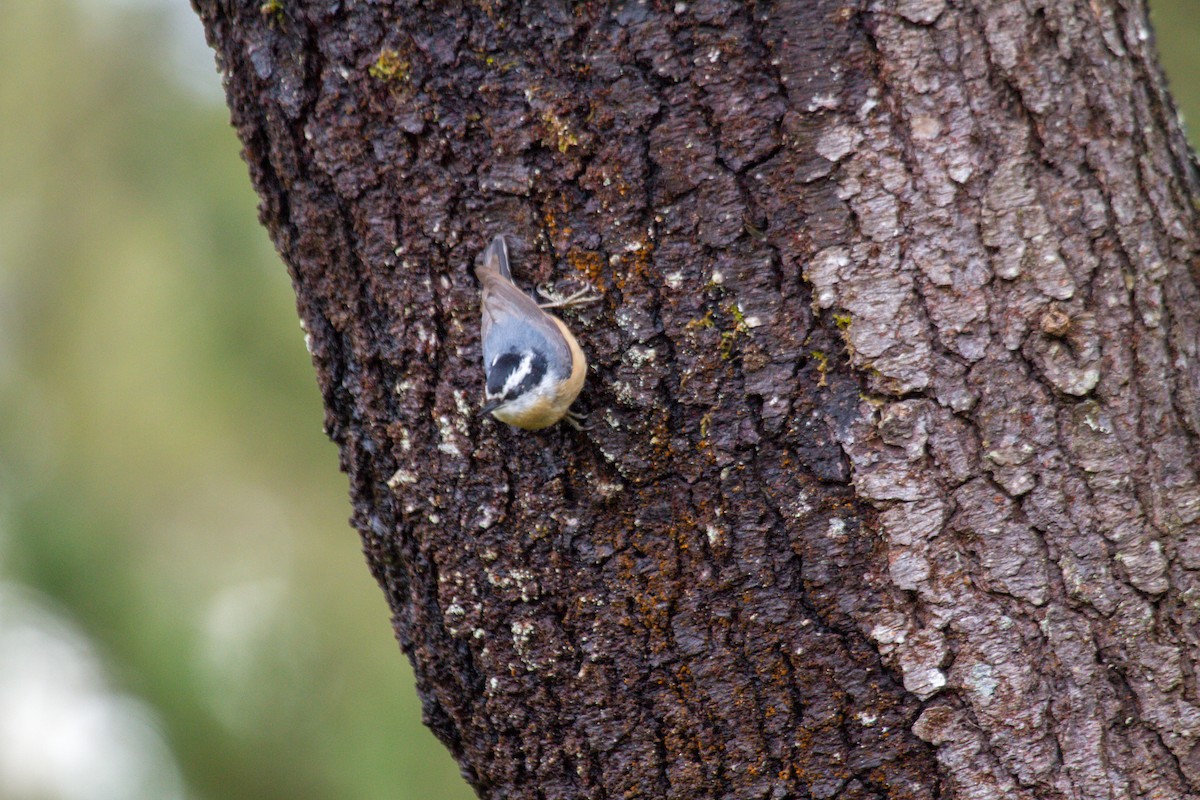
[587,294]
[577,420]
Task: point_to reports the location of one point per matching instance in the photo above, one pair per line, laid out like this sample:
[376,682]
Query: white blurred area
[189,59]
[65,733]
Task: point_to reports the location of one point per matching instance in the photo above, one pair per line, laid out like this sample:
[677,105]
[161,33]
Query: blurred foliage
[1177,34]
[163,474]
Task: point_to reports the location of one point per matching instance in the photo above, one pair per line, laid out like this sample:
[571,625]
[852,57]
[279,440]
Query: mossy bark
[892,485]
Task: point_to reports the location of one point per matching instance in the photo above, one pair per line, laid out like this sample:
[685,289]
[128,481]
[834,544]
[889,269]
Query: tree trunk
[892,486]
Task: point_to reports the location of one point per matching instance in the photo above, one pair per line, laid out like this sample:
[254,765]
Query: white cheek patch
[545,387]
[518,406]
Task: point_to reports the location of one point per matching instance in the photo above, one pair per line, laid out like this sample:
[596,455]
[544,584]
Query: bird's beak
[489,407]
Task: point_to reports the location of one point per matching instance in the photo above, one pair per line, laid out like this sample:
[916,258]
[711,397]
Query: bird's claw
[576,420]
[584,296]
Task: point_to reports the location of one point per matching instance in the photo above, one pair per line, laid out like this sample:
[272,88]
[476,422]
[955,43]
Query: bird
[533,364]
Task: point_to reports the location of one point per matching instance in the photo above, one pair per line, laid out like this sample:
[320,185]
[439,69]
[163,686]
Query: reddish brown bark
[892,489]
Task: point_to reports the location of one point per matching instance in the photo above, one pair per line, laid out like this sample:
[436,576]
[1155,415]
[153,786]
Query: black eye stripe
[506,365]
[537,371]
[510,364]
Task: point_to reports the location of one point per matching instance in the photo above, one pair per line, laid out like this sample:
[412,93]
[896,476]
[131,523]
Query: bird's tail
[495,259]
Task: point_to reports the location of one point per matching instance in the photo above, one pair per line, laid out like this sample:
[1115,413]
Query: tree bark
[892,488]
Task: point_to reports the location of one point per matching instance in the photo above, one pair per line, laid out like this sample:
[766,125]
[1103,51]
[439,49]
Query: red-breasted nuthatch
[534,366]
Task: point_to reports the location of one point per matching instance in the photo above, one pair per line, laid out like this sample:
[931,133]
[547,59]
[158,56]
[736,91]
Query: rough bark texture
[892,490]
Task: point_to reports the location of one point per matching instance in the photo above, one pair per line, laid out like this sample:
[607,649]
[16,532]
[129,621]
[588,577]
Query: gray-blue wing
[512,321]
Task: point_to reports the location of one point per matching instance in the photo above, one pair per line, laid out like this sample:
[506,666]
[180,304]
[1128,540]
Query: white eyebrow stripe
[518,374]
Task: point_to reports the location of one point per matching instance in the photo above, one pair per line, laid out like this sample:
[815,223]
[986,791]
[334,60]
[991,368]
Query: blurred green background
[184,611]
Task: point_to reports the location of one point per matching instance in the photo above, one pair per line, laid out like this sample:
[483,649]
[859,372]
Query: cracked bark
[892,490]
